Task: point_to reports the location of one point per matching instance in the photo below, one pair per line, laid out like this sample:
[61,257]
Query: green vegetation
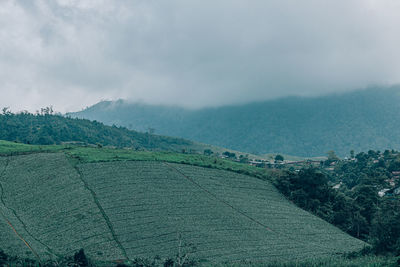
[92,154]
[365,261]
[363,120]
[49,129]
[11,148]
[360,195]
[125,204]
[360,177]
[79,259]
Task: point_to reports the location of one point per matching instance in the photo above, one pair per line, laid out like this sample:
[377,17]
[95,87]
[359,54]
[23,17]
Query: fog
[71,54]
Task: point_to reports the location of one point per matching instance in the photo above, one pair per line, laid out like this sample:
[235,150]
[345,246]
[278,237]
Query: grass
[11,148]
[89,154]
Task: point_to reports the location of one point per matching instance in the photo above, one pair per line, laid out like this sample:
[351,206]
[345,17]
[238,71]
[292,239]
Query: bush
[80,258]
[3,258]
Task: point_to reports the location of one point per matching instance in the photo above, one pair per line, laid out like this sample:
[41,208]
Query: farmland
[124,204]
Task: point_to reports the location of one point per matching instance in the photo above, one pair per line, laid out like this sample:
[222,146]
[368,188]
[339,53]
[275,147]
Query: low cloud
[71,54]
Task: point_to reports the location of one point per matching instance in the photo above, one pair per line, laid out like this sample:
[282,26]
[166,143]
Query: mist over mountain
[358,120]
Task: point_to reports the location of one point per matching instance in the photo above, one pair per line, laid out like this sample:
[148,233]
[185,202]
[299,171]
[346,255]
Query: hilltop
[299,126]
[48,129]
[58,199]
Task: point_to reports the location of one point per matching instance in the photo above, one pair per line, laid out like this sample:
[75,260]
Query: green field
[120,204]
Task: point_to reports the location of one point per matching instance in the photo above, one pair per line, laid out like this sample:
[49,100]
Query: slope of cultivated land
[52,209]
[128,209]
[9,239]
[226,216]
[263,203]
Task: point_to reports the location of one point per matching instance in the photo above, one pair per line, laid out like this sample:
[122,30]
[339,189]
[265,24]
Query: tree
[244,159]
[386,227]
[47,110]
[6,111]
[80,258]
[332,156]
[3,258]
[279,158]
[208,152]
[229,154]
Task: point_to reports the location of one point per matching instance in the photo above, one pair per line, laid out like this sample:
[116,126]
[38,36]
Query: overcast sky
[194,53]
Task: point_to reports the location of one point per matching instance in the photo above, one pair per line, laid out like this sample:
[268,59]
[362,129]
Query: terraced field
[51,205]
[51,208]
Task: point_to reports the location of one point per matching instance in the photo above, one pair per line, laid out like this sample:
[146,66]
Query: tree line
[354,204]
[47,128]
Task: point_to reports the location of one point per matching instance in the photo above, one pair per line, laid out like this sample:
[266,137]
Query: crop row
[150,203]
[173,205]
[149,208]
[9,241]
[51,201]
[267,206]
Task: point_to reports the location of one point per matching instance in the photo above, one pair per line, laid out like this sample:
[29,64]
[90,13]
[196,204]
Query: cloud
[196,53]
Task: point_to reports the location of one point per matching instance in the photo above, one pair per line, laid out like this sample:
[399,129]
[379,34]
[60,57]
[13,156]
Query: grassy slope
[91,154]
[139,205]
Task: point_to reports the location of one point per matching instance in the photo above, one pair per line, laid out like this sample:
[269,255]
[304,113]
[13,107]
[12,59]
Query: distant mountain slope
[48,129]
[51,205]
[360,120]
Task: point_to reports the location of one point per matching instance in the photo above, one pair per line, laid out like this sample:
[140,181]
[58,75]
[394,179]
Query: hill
[56,202]
[359,120]
[47,129]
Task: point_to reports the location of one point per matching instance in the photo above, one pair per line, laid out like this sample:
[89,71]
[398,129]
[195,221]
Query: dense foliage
[46,128]
[360,195]
[362,120]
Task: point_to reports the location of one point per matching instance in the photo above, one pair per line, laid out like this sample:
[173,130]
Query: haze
[71,54]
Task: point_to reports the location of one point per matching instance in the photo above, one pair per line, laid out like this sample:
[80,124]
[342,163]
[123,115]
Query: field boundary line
[103,213]
[7,221]
[25,227]
[216,197]
[238,210]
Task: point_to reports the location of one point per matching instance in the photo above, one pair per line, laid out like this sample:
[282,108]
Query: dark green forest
[354,204]
[360,121]
[46,128]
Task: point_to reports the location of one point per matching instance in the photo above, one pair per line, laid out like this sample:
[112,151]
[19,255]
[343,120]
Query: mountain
[46,129]
[55,203]
[359,120]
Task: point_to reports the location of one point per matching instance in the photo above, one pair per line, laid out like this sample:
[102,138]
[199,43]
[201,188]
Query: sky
[193,53]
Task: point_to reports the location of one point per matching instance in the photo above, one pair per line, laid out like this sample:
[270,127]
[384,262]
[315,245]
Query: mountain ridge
[302,126]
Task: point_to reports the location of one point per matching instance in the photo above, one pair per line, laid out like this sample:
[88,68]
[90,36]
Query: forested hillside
[360,121]
[46,128]
[360,195]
